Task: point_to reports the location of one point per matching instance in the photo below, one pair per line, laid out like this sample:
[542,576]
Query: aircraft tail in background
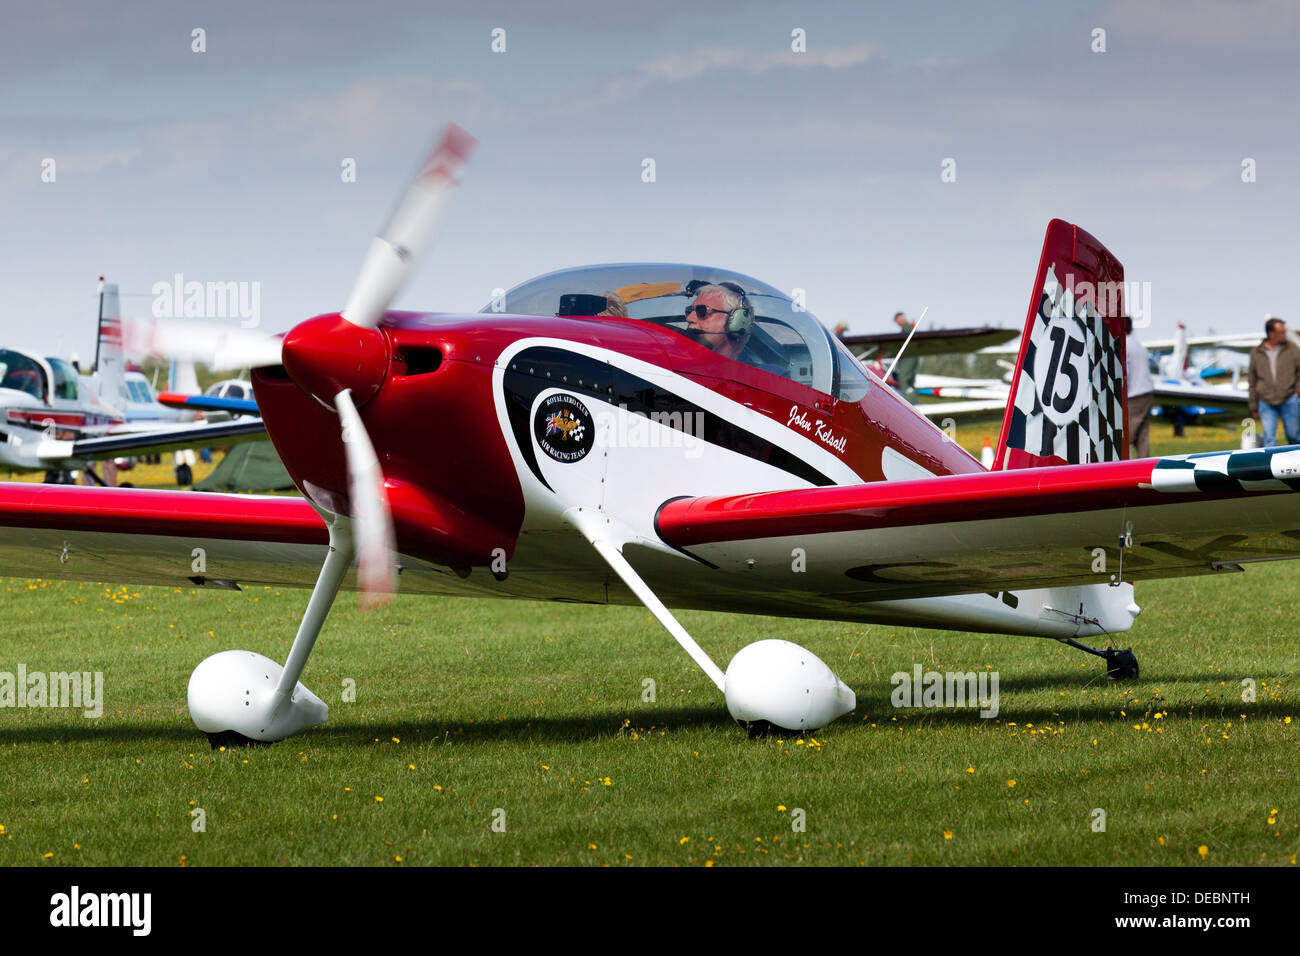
[182,378]
[110,361]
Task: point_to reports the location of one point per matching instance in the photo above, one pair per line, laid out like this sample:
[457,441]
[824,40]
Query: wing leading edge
[158,537]
[155,440]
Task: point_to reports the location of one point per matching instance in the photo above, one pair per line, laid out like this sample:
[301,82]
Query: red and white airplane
[678,436]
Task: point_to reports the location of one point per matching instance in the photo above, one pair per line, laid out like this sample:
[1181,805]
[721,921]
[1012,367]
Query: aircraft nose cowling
[327,354]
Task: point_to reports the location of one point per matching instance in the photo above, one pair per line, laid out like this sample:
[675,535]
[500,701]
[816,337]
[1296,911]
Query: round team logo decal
[564,428]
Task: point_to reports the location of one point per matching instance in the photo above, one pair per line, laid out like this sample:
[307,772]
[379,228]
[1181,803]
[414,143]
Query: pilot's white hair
[730,297]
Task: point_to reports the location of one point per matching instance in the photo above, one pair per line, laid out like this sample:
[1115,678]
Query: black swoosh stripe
[535,369]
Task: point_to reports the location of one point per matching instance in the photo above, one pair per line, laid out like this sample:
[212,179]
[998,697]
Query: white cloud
[689,64]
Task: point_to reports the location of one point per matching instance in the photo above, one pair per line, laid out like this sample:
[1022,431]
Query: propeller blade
[392,254]
[217,346]
[372,524]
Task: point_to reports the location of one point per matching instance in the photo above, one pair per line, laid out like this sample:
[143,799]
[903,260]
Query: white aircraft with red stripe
[681,437]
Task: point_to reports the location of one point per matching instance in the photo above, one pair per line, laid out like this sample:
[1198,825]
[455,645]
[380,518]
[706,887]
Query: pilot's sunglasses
[703,311]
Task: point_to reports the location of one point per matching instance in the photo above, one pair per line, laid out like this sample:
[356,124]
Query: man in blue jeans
[1275,384]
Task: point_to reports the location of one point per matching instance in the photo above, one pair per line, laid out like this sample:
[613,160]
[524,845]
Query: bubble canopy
[786,339]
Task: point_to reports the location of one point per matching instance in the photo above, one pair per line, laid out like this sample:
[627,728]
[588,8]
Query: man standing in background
[1275,384]
[1141,392]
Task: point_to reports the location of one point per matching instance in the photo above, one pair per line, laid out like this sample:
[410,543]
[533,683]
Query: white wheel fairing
[235,690]
[785,685]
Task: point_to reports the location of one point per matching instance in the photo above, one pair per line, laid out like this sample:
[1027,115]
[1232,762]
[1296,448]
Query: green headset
[741,321]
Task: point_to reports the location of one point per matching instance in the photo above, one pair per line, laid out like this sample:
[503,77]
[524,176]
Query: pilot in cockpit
[721,319]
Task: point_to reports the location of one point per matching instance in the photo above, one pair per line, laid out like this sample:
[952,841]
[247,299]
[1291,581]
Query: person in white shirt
[1141,392]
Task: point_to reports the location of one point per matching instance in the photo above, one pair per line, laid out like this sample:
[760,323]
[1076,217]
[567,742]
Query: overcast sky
[818,170]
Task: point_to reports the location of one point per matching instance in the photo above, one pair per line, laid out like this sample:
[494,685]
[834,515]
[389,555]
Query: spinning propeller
[341,361]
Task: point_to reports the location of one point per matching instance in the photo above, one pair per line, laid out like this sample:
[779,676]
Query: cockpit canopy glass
[785,339]
[65,379]
[139,391]
[22,373]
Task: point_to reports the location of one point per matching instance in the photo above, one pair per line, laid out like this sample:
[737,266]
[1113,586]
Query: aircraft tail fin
[110,361]
[1179,359]
[182,377]
[1069,400]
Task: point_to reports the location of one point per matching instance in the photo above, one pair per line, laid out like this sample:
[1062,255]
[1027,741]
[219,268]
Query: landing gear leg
[1120,664]
[768,684]
[243,697]
[590,526]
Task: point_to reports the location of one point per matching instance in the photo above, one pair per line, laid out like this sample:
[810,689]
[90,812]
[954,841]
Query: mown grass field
[533,716]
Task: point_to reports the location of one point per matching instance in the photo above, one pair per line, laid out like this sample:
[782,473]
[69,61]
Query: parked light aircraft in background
[54,420]
[230,397]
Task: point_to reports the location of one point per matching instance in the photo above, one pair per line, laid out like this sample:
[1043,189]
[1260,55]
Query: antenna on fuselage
[916,325]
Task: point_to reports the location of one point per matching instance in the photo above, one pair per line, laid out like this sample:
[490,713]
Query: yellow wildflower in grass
[970,769]
[780,809]
[379,799]
[947,834]
[396,741]
[1160,840]
[1011,783]
[1203,851]
[684,840]
[709,863]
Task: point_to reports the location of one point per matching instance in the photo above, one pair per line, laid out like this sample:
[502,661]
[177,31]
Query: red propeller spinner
[327,354]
